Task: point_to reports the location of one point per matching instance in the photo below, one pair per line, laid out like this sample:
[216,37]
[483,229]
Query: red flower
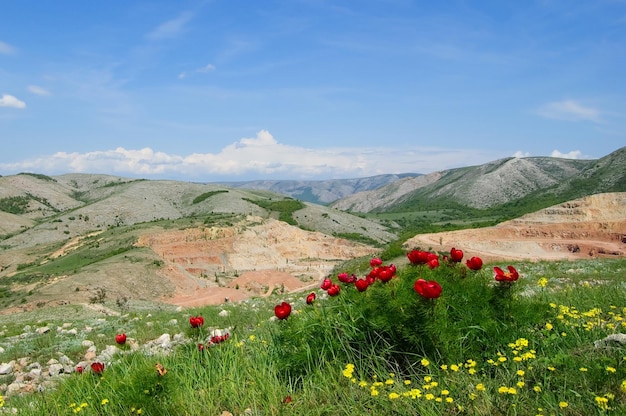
[327,283]
[120,339]
[333,290]
[417,256]
[502,276]
[282,310]
[287,400]
[196,321]
[310,298]
[475,263]
[456,255]
[361,285]
[345,278]
[79,369]
[97,367]
[375,262]
[200,346]
[429,290]
[433,263]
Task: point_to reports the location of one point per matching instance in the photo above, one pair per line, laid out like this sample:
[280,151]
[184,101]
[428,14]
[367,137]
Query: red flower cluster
[196,321]
[418,257]
[331,288]
[216,339]
[428,289]
[282,310]
[120,339]
[502,276]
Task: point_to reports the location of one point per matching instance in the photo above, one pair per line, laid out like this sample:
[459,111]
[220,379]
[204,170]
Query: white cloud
[172,28]
[520,153]
[261,156]
[6,48]
[38,90]
[569,110]
[10,101]
[574,154]
[207,68]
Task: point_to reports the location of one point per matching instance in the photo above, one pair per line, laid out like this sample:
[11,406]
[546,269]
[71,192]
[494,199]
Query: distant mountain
[323,191]
[526,183]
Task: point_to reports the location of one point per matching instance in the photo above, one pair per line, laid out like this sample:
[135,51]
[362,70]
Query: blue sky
[306,89]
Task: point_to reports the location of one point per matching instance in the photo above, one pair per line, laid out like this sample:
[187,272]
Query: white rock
[7,368]
[224,313]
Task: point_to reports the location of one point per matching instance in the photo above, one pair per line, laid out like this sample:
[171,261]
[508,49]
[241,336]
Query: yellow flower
[472,396]
[551,368]
[563,405]
[503,389]
[611,369]
[347,372]
[429,396]
[502,359]
[407,382]
[623,386]
[394,395]
[602,402]
[549,326]
[427,379]
[454,367]
[362,383]
[375,392]
[542,282]
[444,392]
[520,373]
[444,367]
[583,369]
[512,390]
[425,362]
[537,389]
[472,371]
[480,387]
[104,401]
[389,382]
[520,384]
[449,400]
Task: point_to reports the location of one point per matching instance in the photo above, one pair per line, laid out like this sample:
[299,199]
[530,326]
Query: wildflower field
[437,335]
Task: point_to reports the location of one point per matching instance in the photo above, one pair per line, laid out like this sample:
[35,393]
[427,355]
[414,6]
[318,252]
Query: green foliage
[284,207]
[14,204]
[207,195]
[39,176]
[359,238]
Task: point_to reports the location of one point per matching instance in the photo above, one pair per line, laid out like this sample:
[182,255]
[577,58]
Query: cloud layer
[260,157]
[10,101]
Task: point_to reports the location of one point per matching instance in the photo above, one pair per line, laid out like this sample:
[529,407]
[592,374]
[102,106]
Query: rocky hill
[507,181]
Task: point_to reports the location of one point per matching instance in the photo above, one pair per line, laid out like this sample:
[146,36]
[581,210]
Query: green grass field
[481,348]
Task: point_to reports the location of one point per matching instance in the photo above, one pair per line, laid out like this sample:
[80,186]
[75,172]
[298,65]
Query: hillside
[522,182]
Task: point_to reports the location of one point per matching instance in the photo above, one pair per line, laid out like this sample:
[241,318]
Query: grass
[479,349]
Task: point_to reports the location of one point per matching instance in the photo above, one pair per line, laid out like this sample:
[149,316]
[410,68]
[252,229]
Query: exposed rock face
[213,264]
[589,227]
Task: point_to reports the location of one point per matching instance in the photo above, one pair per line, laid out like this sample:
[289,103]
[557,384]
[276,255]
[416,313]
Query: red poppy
[200,346]
[361,285]
[120,339]
[475,263]
[429,290]
[333,290]
[375,262]
[97,367]
[456,255]
[282,310]
[79,369]
[310,298]
[502,276]
[196,321]
[327,283]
